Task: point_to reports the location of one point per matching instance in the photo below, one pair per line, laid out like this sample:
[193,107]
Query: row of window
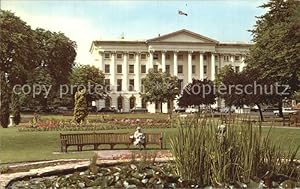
[155,67]
[179,57]
[119,84]
[131,84]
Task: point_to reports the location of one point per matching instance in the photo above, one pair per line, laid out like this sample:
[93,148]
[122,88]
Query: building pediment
[185,36]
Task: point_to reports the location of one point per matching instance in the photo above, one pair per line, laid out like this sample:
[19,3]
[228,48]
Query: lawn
[18,146]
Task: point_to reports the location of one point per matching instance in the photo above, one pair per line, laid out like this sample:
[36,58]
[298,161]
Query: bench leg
[112,146]
[95,147]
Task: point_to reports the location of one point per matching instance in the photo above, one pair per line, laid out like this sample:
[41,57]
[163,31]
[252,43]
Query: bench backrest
[153,137]
[106,138]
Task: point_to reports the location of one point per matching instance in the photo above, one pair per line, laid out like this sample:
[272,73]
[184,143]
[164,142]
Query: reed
[207,156]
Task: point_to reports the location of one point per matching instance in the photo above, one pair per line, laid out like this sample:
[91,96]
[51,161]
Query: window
[107,84]
[143,68]
[119,56]
[119,84]
[193,57]
[180,57]
[216,58]
[144,103]
[119,68]
[155,56]
[143,56]
[236,58]
[193,69]
[204,57]
[226,58]
[180,82]
[155,67]
[120,103]
[131,56]
[131,84]
[106,55]
[237,69]
[131,102]
[107,68]
[167,68]
[131,68]
[142,85]
[167,56]
[180,68]
[216,69]
[107,102]
[205,69]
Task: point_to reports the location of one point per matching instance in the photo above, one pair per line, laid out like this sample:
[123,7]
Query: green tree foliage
[56,53]
[277,43]
[16,47]
[92,79]
[196,93]
[231,93]
[4,101]
[27,53]
[159,87]
[80,108]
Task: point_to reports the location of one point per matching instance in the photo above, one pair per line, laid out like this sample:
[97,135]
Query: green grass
[18,146]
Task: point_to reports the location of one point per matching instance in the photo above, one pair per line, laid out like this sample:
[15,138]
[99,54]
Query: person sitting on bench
[138,137]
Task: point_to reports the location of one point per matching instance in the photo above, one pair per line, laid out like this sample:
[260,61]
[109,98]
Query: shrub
[80,108]
[209,155]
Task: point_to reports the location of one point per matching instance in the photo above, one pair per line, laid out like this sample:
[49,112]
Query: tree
[247,88]
[159,87]
[4,101]
[80,108]
[277,37]
[15,108]
[56,53]
[198,92]
[92,79]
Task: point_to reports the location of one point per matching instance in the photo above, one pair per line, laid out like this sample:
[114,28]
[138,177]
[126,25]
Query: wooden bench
[112,139]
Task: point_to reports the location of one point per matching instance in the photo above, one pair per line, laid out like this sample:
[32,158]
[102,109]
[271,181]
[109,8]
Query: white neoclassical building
[183,53]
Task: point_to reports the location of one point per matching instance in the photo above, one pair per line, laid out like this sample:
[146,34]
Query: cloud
[77,29]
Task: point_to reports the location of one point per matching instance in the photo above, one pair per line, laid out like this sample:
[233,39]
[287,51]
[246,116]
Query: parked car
[107,109]
[92,109]
[227,110]
[179,109]
[138,110]
[192,110]
[285,111]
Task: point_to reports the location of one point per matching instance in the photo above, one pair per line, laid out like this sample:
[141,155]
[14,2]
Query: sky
[84,21]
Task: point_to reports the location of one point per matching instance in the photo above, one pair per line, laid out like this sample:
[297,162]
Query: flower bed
[108,124]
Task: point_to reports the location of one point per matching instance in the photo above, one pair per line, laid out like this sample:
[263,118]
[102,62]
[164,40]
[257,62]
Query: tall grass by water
[208,154]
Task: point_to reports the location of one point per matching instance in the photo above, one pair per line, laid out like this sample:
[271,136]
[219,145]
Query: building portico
[184,54]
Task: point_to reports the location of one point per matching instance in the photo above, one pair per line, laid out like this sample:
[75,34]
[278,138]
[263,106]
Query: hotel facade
[183,53]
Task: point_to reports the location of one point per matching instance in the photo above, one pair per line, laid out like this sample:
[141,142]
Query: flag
[182,13]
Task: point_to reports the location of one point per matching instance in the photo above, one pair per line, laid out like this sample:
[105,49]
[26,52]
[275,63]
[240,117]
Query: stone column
[201,67]
[101,61]
[190,76]
[213,66]
[113,70]
[221,61]
[125,72]
[150,62]
[175,73]
[242,62]
[137,72]
[163,61]
[231,58]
